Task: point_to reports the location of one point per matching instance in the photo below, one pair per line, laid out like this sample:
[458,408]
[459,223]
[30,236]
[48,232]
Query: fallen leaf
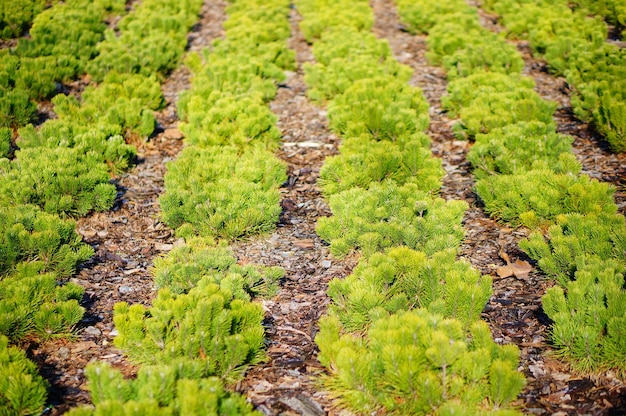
[518,269]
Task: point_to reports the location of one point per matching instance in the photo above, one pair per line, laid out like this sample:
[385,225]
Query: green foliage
[537,197]
[589,316]
[206,325]
[382,108]
[402,279]
[321,15]
[220,192]
[492,105]
[6,134]
[422,15]
[184,266]
[17,15]
[518,148]
[388,215]
[177,389]
[34,304]
[28,235]
[225,119]
[418,363]
[22,389]
[573,240]
[59,180]
[364,161]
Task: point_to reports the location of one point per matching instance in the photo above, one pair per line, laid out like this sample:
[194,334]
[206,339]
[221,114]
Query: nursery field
[312,207]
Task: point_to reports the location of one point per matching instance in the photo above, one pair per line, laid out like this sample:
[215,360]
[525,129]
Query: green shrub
[520,147]
[28,235]
[226,119]
[537,197]
[219,192]
[363,161]
[58,180]
[22,389]
[205,324]
[420,363]
[388,215]
[402,279]
[349,43]
[6,134]
[321,15]
[589,317]
[382,108]
[17,15]
[34,304]
[16,108]
[177,389]
[572,239]
[422,15]
[184,266]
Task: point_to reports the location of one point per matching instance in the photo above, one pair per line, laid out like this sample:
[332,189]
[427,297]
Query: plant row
[578,238]
[403,333]
[17,16]
[55,52]
[203,330]
[574,45]
[62,170]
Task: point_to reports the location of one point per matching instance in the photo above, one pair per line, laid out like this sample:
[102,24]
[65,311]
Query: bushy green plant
[6,134]
[363,161]
[349,43]
[219,192]
[422,15]
[382,108]
[227,119]
[178,389]
[16,108]
[589,316]
[182,268]
[402,279]
[204,324]
[537,197]
[60,180]
[22,389]
[32,303]
[518,148]
[387,215]
[573,239]
[419,363]
[322,15]
[28,235]
[17,15]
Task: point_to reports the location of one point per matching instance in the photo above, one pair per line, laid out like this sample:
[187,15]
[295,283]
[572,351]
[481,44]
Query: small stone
[125,289]
[114,332]
[64,352]
[163,247]
[92,330]
[326,264]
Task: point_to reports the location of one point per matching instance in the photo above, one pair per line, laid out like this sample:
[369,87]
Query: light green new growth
[382,108]
[388,215]
[176,389]
[364,161]
[402,279]
[206,324]
[422,15]
[518,148]
[22,389]
[322,15]
[419,363]
[218,192]
[198,259]
[537,197]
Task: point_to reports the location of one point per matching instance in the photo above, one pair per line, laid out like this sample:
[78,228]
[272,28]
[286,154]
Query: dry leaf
[518,269]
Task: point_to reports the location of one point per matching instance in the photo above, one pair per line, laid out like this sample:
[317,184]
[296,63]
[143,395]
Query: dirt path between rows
[128,238]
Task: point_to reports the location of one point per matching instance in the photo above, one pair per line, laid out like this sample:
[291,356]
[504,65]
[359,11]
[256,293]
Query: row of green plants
[403,332]
[17,16]
[613,11]
[578,238]
[54,53]
[203,329]
[63,170]
[574,45]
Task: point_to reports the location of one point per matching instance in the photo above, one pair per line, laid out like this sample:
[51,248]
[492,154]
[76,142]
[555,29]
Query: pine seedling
[219,192]
[16,16]
[382,108]
[422,15]
[60,180]
[184,266]
[16,108]
[574,239]
[205,324]
[349,43]
[22,389]
[537,197]
[518,148]
[321,15]
[363,161]
[6,134]
[394,215]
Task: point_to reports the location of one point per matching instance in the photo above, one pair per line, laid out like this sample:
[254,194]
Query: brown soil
[127,239]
